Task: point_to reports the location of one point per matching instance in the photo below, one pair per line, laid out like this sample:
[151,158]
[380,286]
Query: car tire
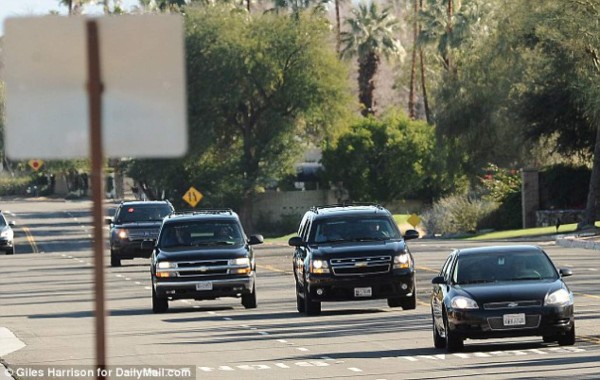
[452,342]
[159,304]
[409,303]
[249,300]
[310,307]
[394,302]
[10,251]
[299,300]
[114,260]
[568,339]
[438,340]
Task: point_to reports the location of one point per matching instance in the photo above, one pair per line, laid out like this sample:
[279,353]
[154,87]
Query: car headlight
[402,261]
[7,234]
[122,234]
[166,265]
[319,266]
[242,264]
[559,298]
[461,302]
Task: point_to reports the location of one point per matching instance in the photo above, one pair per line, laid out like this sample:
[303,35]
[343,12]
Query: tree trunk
[367,67]
[447,58]
[589,218]
[424,87]
[413,67]
[338,27]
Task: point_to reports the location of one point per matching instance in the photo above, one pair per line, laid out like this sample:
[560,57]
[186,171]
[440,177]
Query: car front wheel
[311,307]
[568,339]
[438,340]
[453,342]
[249,300]
[159,304]
[114,260]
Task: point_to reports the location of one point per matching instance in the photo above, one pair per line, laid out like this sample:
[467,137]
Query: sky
[15,8]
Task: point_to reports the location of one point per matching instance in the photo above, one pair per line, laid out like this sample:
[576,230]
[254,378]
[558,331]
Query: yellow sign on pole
[193,196]
[36,164]
[414,220]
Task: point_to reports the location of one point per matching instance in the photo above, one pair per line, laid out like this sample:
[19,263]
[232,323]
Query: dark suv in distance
[352,252]
[203,255]
[134,222]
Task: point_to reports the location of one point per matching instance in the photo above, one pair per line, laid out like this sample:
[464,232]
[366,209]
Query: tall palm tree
[338,25]
[372,34]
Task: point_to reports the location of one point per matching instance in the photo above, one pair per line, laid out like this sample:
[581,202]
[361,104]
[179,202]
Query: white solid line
[9,342]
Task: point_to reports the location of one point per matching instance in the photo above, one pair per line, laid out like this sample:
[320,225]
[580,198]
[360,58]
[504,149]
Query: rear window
[143,213]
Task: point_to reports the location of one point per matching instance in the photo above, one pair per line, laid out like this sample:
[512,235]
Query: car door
[440,290]
[300,252]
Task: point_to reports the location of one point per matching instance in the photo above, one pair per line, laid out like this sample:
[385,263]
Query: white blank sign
[142,67]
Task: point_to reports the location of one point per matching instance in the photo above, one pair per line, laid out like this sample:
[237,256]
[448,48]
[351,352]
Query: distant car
[203,255]
[501,291]
[6,235]
[134,222]
[352,252]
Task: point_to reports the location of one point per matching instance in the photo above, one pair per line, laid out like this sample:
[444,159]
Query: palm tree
[372,34]
[74,6]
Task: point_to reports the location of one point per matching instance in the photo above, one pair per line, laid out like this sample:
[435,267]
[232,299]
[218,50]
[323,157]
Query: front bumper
[342,288]
[129,249]
[6,244]
[483,324]
[188,289]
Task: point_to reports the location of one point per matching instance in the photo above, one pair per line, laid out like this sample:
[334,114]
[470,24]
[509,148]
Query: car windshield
[354,229]
[144,213]
[2,221]
[502,266]
[201,233]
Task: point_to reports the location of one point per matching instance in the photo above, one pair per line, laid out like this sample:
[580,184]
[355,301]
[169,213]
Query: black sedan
[502,291]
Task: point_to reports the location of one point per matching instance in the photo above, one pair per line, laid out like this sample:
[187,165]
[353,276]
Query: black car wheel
[10,251]
[568,339]
[409,303]
[311,307]
[453,342]
[249,300]
[394,302]
[299,300]
[159,304]
[438,340]
[114,260]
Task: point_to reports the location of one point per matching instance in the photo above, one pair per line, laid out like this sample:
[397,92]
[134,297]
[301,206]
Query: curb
[574,242]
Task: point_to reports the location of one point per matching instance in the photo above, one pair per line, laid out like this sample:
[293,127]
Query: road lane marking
[263,333]
[302,349]
[354,369]
[428,269]
[147,287]
[228,319]
[586,295]
[282,340]
[269,366]
[271,268]
[30,239]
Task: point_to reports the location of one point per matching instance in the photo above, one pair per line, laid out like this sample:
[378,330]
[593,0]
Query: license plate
[363,292]
[514,319]
[204,285]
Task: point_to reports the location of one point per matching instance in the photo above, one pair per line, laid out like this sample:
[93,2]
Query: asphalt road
[47,302]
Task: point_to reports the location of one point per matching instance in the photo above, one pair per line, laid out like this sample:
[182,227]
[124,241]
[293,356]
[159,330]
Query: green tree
[393,158]
[372,33]
[257,83]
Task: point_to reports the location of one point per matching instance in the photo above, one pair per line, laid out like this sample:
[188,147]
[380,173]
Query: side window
[306,229]
[445,266]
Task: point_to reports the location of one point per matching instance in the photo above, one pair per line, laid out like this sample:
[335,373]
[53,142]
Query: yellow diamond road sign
[414,220]
[193,196]
[35,164]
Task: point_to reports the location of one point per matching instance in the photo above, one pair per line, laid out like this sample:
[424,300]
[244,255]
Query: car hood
[507,291]
[205,253]
[363,248]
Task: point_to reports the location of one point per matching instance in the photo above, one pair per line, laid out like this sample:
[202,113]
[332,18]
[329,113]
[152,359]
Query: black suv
[133,223]
[203,255]
[352,252]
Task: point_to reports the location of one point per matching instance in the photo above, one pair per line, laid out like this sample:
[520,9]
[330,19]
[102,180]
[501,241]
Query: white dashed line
[282,340]
[138,283]
[119,275]
[263,333]
[212,313]
[354,369]
[302,349]
[228,319]
[147,287]
[127,279]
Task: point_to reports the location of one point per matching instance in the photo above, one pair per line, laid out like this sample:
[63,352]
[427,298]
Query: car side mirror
[296,241]
[12,223]
[148,244]
[438,280]
[108,220]
[411,234]
[255,239]
[565,272]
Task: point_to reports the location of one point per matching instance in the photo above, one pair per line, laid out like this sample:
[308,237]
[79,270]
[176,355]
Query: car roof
[143,203]
[203,214]
[508,249]
[348,209]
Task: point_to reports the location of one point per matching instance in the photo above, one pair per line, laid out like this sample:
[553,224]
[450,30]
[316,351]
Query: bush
[14,185]
[457,214]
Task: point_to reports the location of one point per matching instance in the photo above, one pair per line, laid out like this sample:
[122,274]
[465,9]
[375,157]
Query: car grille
[357,266]
[511,304]
[143,234]
[531,322]
[202,268]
